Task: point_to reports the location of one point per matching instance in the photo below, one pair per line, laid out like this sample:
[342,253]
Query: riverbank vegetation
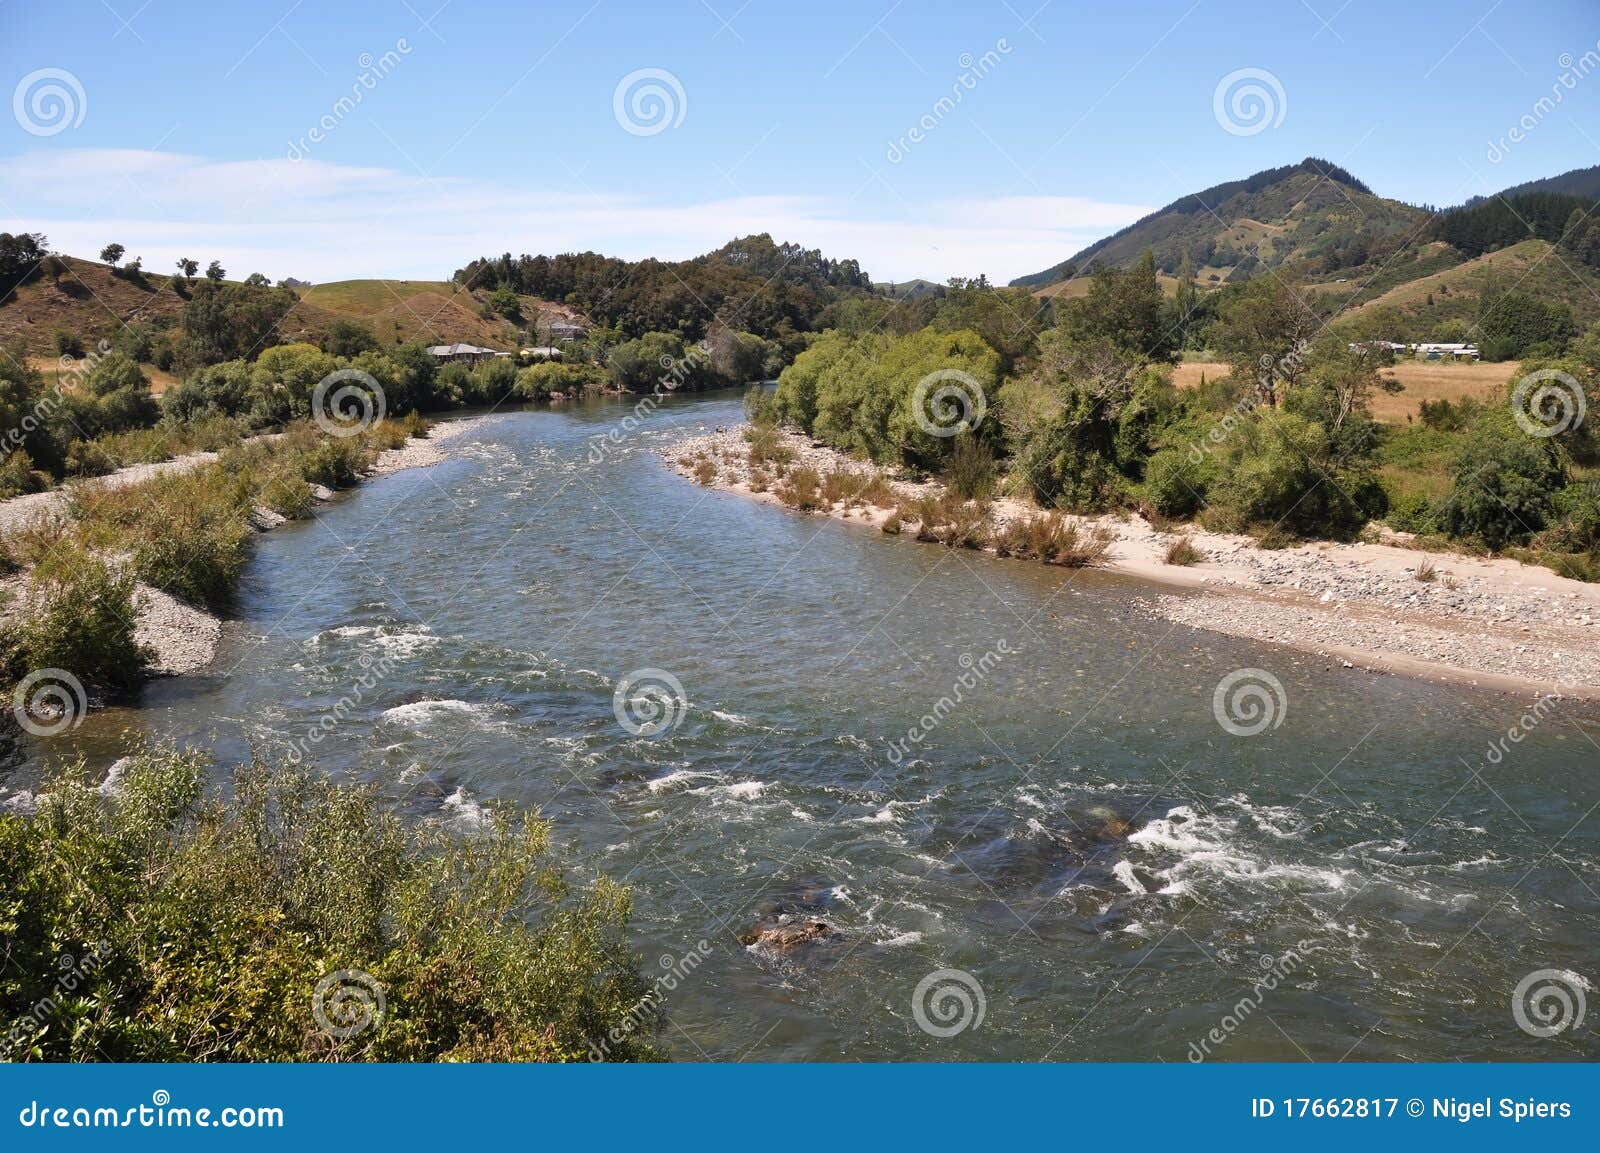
[1075,411]
[155,920]
[185,532]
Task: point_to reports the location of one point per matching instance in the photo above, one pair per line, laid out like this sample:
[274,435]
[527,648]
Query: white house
[1453,351]
[462,353]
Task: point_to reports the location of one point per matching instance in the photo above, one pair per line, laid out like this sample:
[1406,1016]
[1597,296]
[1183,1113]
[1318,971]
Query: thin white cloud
[323,221]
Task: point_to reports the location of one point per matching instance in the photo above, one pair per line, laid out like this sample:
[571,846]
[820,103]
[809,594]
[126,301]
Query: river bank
[1490,622]
[181,637]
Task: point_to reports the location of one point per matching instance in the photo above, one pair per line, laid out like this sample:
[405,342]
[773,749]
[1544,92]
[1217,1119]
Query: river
[1074,857]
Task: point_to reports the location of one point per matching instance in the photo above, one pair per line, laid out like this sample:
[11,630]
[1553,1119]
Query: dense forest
[778,292]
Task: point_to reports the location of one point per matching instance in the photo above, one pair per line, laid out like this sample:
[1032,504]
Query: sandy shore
[184,637]
[1497,624]
[432,449]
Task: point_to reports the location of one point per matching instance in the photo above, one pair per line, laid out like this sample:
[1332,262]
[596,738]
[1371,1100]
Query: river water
[1076,860]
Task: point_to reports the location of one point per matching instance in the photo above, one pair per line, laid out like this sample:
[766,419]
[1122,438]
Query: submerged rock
[783,934]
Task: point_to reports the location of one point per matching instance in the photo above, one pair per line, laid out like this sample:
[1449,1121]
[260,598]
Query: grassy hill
[1311,212]
[90,303]
[405,311]
[1533,267]
[1079,286]
[93,303]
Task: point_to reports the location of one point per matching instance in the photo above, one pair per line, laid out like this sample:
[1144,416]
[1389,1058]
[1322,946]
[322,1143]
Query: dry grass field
[1423,380]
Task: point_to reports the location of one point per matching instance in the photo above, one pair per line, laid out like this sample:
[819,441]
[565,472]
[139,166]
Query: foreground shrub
[209,926]
[76,615]
[1183,552]
[971,472]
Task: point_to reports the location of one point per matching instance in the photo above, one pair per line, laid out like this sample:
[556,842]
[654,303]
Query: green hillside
[1312,212]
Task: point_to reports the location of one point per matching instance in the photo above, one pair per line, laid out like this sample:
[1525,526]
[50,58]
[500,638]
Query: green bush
[538,381]
[189,532]
[1505,485]
[1280,474]
[18,476]
[1173,483]
[76,615]
[202,928]
[88,458]
[1415,515]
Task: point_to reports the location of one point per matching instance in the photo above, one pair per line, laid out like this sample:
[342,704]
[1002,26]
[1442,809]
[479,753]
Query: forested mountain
[1410,272]
[1578,182]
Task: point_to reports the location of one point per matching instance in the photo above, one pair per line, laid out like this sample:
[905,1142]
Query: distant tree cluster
[1505,220]
[776,291]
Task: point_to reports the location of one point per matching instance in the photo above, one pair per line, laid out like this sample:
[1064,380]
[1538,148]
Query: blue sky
[189,127]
